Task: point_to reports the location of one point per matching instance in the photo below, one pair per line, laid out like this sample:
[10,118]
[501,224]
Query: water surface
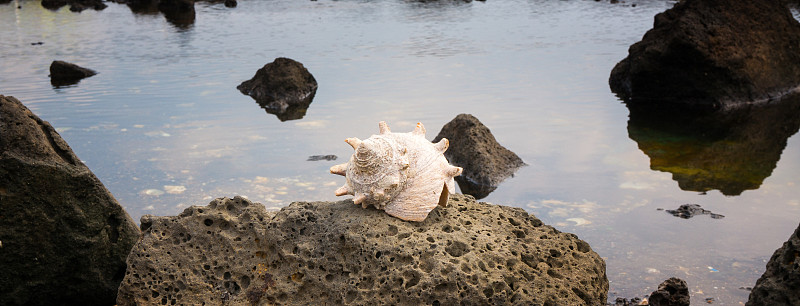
[163,126]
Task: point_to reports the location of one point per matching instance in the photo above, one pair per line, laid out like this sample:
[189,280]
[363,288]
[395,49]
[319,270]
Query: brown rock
[284,88]
[780,283]
[233,252]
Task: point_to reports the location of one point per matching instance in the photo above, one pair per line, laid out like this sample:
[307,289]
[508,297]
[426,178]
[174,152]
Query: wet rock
[730,151]
[712,54]
[780,283]
[64,236]
[283,87]
[672,292]
[233,251]
[486,163]
[687,211]
[63,73]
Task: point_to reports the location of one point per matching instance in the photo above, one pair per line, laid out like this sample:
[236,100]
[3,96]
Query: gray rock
[780,283]
[64,236]
[486,163]
[712,54]
[284,88]
[672,292]
[233,252]
[63,73]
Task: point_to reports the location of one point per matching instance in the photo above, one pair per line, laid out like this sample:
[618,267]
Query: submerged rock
[780,283]
[486,163]
[712,54]
[63,237]
[283,87]
[234,252]
[687,211]
[672,292]
[63,73]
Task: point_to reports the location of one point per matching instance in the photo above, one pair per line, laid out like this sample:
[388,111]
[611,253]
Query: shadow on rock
[731,151]
[283,88]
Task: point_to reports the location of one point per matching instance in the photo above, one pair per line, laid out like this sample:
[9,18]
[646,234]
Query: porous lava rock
[233,252]
[780,283]
[712,54]
[63,73]
[486,163]
[63,237]
[671,292]
[283,87]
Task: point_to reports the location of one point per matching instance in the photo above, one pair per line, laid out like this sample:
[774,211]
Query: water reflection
[179,13]
[731,151]
[288,111]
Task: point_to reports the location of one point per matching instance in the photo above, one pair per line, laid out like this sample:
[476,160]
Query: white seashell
[403,174]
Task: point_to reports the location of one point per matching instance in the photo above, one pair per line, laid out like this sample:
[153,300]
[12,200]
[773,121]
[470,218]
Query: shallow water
[163,126]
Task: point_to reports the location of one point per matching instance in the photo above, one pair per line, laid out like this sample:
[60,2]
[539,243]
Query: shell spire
[403,174]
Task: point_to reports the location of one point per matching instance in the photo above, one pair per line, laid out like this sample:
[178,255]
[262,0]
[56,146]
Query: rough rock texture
[283,87]
[780,283]
[233,252]
[75,5]
[672,292]
[63,73]
[64,238]
[473,147]
[713,54]
[731,151]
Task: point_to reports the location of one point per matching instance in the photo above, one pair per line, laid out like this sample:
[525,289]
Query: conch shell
[403,174]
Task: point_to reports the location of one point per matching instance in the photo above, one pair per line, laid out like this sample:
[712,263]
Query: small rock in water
[687,211]
[321,157]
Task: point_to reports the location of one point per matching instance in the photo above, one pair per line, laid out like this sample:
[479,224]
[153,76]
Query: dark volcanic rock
[283,87]
[687,211]
[780,283]
[473,147]
[672,292]
[731,151]
[63,73]
[713,54]
[64,236]
[232,251]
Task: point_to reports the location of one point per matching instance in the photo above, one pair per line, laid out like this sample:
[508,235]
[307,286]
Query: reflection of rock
[233,252]
[780,283]
[63,237]
[672,292]
[64,74]
[687,211]
[473,147]
[730,151]
[283,87]
[178,12]
[75,5]
[713,54]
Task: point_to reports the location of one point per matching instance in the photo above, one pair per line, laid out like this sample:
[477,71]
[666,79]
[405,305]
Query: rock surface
[780,283]
[687,211]
[63,237]
[63,73]
[283,87]
[486,163]
[234,252]
[672,292]
[712,54]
